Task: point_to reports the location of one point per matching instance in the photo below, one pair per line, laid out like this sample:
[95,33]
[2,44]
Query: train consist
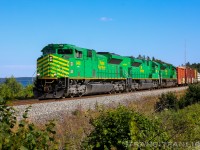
[65,70]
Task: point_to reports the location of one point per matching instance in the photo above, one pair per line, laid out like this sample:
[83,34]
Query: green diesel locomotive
[66,70]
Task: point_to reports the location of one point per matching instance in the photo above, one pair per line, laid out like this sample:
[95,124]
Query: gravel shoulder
[54,110]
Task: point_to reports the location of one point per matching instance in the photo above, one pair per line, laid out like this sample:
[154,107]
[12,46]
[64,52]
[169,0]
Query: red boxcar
[190,75]
[195,76]
[181,75]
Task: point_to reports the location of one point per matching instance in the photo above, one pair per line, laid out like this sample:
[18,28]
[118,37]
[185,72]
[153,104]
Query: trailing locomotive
[65,70]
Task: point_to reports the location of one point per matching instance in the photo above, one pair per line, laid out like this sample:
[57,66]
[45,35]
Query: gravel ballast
[54,110]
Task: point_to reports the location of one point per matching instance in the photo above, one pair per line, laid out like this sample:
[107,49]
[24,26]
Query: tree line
[194,65]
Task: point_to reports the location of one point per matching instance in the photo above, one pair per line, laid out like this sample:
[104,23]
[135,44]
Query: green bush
[23,135]
[182,125]
[6,92]
[167,101]
[192,94]
[170,101]
[11,90]
[27,92]
[120,128]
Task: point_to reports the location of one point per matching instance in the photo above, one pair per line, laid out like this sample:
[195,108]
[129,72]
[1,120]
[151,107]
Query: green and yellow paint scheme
[52,66]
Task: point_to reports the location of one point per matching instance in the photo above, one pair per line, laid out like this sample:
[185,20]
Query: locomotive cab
[52,71]
[59,50]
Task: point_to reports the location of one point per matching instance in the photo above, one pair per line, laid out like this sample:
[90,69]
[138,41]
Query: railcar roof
[65,46]
[108,53]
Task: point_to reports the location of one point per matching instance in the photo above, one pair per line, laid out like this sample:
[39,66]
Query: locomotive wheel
[127,90]
[71,95]
[80,94]
[112,92]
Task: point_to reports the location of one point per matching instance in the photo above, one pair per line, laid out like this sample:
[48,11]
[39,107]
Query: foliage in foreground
[11,89]
[167,101]
[192,96]
[170,100]
[23,135]
[182,125]
[120,128]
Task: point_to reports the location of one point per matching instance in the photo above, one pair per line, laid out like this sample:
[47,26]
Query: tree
[194,65]
[11,89]
[139,56]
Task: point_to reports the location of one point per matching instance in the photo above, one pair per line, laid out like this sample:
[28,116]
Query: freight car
[186,76]
[66,70]
[181,75]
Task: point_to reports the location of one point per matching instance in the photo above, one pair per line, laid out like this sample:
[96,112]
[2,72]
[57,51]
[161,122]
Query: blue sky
[156,28]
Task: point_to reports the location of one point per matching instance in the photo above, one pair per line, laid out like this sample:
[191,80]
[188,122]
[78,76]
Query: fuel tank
[95,88]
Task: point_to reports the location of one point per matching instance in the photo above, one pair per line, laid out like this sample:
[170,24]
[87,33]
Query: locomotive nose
[52,66]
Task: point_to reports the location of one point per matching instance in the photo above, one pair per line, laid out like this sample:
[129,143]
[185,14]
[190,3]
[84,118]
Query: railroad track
[44,110]
[36,101]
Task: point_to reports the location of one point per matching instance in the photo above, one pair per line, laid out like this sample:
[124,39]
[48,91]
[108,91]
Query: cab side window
[78,54]
[89,53]
[65,51]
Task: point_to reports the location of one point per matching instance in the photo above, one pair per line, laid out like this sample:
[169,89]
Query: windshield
[65,51]
[49,51]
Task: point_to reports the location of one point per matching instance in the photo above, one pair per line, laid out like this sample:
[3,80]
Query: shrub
[22,134]
[6,92]
[192,94]
[122,127]
[183,125]
[11,89]
[27,92]
[167,101]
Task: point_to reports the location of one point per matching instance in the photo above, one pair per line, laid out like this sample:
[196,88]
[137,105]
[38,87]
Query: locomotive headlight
[50,58]
[55,75]
[38,74]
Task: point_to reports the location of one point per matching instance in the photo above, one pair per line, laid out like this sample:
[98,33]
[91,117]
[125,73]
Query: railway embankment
[41,112]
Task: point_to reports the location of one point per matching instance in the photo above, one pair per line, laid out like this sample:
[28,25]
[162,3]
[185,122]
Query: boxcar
[181,75]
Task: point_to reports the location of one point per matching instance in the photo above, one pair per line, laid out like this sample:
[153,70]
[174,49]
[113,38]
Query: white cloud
[105,19]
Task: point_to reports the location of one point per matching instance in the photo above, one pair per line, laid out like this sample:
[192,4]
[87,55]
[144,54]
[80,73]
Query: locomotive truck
[65,70]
